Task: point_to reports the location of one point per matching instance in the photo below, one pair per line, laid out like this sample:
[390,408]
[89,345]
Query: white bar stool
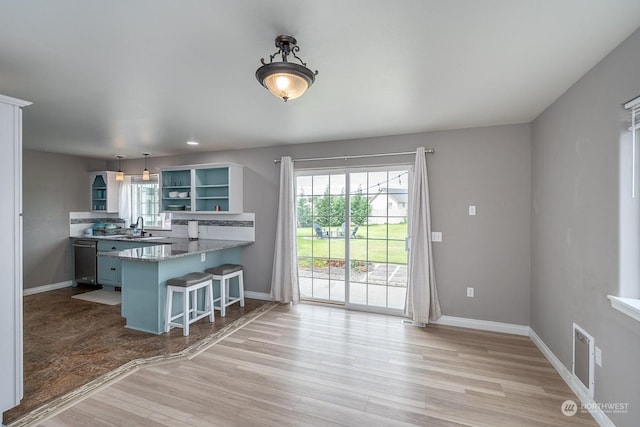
[188,285]
[223,273]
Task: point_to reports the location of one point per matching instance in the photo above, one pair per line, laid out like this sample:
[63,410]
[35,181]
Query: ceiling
[126,77]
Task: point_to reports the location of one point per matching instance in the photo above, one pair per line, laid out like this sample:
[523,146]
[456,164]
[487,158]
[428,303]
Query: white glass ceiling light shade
[284,79]
[286,85]
[119,174]
[145,172]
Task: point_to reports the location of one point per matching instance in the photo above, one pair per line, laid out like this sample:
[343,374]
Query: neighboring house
[389,202]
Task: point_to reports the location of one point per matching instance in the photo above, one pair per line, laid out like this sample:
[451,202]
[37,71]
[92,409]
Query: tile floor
[70,342]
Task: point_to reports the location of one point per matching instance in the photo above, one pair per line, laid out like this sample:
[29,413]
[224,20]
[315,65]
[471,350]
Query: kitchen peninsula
[145,271]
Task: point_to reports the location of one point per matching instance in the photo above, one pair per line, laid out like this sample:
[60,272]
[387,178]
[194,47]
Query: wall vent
[583,356]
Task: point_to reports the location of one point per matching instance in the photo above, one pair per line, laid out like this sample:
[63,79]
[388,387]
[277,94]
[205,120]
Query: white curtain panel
[421,304]
[124,201]
[284,279]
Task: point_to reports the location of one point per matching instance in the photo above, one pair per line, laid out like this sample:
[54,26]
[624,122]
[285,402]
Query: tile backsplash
[79,221]
[224,227]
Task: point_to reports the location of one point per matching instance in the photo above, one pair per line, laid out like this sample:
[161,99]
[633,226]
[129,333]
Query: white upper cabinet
[104,191]
[208,188]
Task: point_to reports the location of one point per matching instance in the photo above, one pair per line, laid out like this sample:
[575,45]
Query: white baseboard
[485,325]
[258,295]
[574,384]
[46,288]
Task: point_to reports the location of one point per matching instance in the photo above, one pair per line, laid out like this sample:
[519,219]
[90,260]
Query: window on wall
[145,203]
[627,298]
[633,107]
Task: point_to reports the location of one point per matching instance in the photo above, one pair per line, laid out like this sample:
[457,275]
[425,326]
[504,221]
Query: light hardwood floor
[311,365]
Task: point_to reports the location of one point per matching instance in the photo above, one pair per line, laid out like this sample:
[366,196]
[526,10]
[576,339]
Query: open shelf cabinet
[209,188]
[104,191]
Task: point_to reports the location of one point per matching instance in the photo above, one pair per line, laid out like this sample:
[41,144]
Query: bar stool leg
[194,304]
[185,316]
[227,285]
[241,288]
[209,296]
[169,309]
[224,286]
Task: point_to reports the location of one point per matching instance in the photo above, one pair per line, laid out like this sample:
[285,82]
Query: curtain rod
[358,156]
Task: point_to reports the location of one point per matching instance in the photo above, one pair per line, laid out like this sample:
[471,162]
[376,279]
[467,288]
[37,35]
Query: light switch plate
[203,257]
[598,356]
[472,210]
[436,236]
[470,292]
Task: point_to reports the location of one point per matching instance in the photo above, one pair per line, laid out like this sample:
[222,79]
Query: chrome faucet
[142,225]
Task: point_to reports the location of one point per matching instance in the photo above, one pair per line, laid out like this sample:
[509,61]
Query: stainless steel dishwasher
[84,255]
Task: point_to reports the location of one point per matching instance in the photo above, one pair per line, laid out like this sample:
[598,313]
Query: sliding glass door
[352,230]
[379,210]
[321,253]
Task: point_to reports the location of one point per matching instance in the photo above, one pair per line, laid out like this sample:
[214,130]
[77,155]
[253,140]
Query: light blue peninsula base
[145,272]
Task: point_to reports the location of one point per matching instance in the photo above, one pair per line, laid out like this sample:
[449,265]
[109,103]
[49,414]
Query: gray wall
[53,186]
[488,167]
[579,180]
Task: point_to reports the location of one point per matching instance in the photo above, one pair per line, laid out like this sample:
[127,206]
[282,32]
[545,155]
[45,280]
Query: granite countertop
[172,247]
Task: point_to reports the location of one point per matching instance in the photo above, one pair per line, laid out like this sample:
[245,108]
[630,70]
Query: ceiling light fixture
[285,79]
[192,143]
[145,172]
[119,174]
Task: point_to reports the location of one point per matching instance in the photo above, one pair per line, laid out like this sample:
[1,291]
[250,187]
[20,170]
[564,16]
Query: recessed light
[192,143]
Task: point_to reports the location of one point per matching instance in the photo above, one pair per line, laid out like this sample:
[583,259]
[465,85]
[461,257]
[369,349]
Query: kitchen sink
[144,238]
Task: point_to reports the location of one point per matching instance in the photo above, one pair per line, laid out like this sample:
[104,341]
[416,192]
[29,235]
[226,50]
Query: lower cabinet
[110,268]
[109,271]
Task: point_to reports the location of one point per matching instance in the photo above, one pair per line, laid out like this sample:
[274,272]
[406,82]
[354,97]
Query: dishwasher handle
[76,245]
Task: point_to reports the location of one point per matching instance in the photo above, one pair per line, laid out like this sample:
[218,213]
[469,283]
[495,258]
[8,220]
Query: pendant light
[285,79]
[119,174]
[145,172]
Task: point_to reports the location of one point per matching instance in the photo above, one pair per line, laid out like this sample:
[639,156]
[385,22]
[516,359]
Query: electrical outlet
[203,257]
[472,210]
[598,356]
[436,236]
[470,292]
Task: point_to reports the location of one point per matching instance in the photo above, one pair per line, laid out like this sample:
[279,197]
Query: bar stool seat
[223,273]
[189,285]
